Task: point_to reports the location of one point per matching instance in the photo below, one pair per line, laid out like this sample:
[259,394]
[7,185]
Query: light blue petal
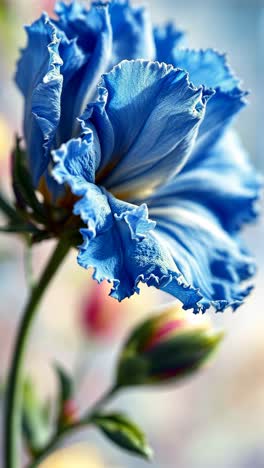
[167,38]
[224,181]
[209,68]
[38,77]
[132,32]
[148,128]
[208,258]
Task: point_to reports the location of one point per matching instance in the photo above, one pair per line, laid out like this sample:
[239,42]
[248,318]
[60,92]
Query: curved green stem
[49,448]
[82,423]
[13,394]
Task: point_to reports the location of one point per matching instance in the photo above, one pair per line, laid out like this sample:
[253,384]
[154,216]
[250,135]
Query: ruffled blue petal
[122,249]
[136,217]
[224,180]
[126,262]
[76,162]
[147,129]
[87,54]
[132,32]
[208,258]
[167,38]
[39,79]
[209,68]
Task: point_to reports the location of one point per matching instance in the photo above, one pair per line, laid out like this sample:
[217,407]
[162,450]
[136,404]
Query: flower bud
[166,347]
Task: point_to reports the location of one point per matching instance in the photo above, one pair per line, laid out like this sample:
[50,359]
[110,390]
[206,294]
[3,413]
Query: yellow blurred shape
[76,456]
[5,139]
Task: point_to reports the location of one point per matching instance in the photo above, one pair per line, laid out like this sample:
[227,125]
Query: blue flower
[163,185]
[62,64]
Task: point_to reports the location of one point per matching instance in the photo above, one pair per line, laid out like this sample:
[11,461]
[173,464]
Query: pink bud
[171,321]
[69,413]
[163,333]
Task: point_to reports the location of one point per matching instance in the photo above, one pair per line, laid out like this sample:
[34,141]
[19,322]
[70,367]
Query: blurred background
[215,419]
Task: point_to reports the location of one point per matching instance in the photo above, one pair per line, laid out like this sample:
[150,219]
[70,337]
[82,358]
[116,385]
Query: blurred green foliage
[8,30]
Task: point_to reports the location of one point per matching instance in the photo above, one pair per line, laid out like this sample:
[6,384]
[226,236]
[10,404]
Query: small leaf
[120,430]
[66,386]
[19,228]
[65,396]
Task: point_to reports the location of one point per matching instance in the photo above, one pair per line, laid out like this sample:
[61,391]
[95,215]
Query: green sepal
[66,384]
[8,210]
[140,335]
[124,433]
[185,353]
[65,393]
[19,228]
[132,370]
[23,188]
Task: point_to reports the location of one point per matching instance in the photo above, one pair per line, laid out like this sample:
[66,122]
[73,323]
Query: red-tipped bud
[168,346]
[70,413]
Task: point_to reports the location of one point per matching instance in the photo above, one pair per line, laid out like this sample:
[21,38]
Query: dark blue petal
[87,55]
[79,22]
[224,181]
[132,32]
[147,129]
[208,258]
[38,77]
[209,68]
[167,38]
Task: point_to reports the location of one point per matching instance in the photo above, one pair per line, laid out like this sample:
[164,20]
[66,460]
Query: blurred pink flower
[101,316]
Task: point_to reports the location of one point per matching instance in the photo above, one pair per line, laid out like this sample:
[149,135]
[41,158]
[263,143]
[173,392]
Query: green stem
[82,423]
[49,448]
[13,393]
